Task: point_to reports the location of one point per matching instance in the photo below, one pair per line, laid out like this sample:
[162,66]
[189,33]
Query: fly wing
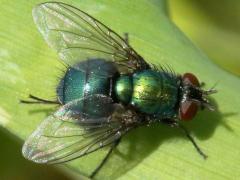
[70,133]
[77,36]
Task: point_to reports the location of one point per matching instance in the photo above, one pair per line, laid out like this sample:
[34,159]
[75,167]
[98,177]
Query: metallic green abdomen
[155,93]
[84,81]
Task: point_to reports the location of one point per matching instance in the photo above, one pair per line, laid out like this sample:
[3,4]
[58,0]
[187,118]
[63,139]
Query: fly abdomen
[87,78]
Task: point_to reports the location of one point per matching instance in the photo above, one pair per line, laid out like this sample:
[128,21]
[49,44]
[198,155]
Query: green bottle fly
[107,90]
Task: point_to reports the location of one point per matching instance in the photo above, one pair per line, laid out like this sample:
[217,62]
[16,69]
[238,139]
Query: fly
[107,90]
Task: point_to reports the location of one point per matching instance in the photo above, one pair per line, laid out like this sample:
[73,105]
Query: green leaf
[28,65]
[14,166]
[216,28]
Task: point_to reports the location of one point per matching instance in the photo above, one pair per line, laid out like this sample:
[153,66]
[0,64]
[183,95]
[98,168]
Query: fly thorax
[155,93]
[123,89]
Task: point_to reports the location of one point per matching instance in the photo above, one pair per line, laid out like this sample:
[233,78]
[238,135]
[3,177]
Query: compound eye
[189,78]
[187,110]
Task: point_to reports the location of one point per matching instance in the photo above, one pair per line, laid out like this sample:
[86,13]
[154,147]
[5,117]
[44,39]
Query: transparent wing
[77,36]
[69,133]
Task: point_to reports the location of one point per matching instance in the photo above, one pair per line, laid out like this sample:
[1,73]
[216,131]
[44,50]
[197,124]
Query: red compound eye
[189,78]
[188,110]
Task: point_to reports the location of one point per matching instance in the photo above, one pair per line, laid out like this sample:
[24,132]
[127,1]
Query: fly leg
[176,124]
[98,168]
[202,84]
[37,100]
[186,132]
[126,37]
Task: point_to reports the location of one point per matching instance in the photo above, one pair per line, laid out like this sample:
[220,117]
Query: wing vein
[92,49]
[91,143]
[84,21]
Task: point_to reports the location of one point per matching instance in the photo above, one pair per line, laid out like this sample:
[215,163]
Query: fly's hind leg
[98,168]
[37,100]
[176,124]
[126,37]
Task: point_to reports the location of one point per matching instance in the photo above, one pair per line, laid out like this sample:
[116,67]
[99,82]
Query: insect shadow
[143,141]
[46,111]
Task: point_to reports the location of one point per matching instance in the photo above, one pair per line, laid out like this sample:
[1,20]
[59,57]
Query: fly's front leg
[176,124]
